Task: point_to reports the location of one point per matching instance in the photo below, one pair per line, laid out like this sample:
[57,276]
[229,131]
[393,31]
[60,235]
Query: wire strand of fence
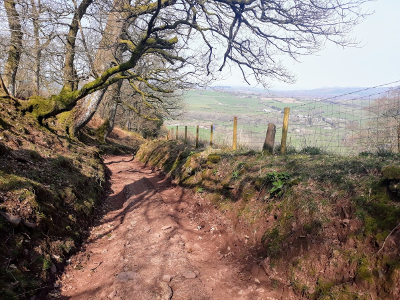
[340,124]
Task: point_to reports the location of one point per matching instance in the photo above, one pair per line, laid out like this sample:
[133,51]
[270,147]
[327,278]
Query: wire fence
[345,124]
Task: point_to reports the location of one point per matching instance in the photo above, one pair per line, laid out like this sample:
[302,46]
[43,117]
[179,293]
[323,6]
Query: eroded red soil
[159,241]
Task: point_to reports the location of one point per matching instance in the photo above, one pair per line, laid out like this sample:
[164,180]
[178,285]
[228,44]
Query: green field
[312,123]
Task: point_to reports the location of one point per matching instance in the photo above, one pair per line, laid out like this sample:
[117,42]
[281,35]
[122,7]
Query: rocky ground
[160,241]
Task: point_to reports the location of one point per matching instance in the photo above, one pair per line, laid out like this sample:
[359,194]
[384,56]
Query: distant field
[320,123]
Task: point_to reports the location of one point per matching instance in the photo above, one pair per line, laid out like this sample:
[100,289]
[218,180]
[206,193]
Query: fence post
[197,137]
[172,133]
[234,146]
[177,132]
[185,134]
[269,142]
[285,129]
[211,135]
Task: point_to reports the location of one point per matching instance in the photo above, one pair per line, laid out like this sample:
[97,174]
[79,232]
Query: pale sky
[376,62]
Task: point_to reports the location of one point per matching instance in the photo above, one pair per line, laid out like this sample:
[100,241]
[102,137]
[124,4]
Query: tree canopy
[180,42]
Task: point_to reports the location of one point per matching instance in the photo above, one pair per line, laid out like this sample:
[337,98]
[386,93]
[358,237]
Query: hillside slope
[50,187]
[325,226]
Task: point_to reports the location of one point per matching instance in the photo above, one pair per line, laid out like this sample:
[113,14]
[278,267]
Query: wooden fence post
[176,132]
[211,135]
[234,146]
[197,137]
[285,129]
[269,142]
[185,134]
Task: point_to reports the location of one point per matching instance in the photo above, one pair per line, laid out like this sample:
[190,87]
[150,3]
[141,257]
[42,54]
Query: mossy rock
[214,158]
[391,172]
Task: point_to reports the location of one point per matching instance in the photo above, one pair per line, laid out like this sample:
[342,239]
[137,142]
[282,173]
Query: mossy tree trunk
[67,100]
[3,89]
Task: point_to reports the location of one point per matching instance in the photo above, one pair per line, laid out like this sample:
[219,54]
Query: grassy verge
[322,224]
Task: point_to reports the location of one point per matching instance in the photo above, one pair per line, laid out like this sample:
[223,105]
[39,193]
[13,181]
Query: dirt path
[157,241]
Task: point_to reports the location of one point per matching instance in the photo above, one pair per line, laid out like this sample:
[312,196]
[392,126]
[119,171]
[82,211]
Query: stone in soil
[189,275]
[125,276]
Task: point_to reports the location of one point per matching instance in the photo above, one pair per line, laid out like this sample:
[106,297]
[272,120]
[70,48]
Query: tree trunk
[70,78]
[38,48]
[15,48]
[86,109]
[108,52]
[114,95]
[111,70]
[3,89]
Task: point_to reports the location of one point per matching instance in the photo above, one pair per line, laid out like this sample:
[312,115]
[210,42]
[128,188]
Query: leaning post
[197,137]
[234,146]
[268,147]
[185,134]
[176,131]
[285,129]
[211,135]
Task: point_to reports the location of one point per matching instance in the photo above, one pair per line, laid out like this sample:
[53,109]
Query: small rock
[125,276]
[12,266]
[256,280]
[345,222]
[14,220]
[166,278]
[189,275]
[53,268]
[165,291]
